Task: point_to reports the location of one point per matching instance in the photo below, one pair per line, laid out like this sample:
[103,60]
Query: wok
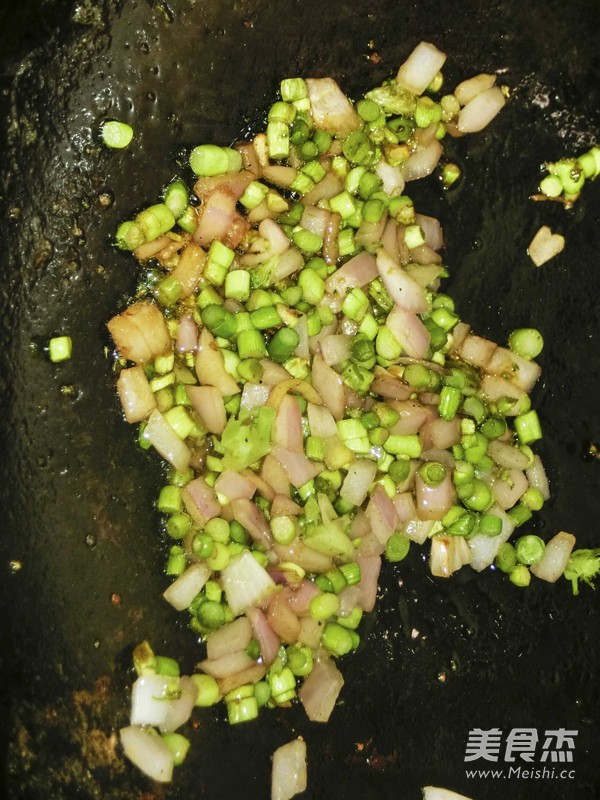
[77,496]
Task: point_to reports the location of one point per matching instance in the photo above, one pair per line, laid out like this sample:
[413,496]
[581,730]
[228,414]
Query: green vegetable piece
[60,348]
[397,547]
[583,565]
[116,135]
[529,549]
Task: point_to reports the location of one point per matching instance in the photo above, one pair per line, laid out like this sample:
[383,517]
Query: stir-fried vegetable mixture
[318,399]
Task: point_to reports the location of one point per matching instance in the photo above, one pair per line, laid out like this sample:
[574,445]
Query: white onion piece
[536,475]
[459,334]
[187,585]
[140,332]
[329,385]
[518,370]
[492,388]
[151,249]
[302,350]
[426,256]
[368,235]
[310,632]
[481,110]
[404,505]
[135,394]
[330,108]
[507,456]
[418,530]
[391,177]
[389,386]
[275,235]
[187,335]
[260,484]
[164,439]
[545,245]
[273,373]
[350,597]
[420,68]
[232,485]
[200,501]
[433,502]
[484,549]
[309,559]
[264,635]
[476,350]
[320,690]
[403,289]
[297,466]
[448,554]
[189,269]
[435,793]
[288,777]
[469,89]
[554,561]
[245,583]
[370,567]
[287,429]
[321,421]
[381,514]
[390,241]
[315,220]
[508,492]
[229,638]
[249,515]
[234,182]
[409,331]
[272,473]
[299,599]
[328,187]
[150,699]
[412,416]
[361,474]
[288,263]
[282,619]
[210,367]
[180,709]
[422,162]
[284,506]
[148,753]
[250,675]
[279,174]
[226,666]
[254,395]
[207,402]
[216,216]
[444,434]
[335,349]
[432,230]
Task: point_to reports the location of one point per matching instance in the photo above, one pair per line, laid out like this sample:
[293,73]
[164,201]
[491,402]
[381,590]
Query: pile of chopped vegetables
[318,400]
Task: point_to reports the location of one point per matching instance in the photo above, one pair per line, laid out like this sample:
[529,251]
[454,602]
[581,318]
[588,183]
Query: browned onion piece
[135,394]
[140,332]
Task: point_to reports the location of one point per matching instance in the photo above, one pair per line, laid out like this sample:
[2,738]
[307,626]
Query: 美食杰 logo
[520,753]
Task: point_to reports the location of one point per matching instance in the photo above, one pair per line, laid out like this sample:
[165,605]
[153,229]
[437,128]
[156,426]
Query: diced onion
[320,690]
[421,67]
[289,776]
[246,583]
[556,555]
[187,585]
[148,752]
[481,110]
[150,700]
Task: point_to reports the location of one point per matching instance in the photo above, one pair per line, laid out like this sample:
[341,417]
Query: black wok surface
[80,552]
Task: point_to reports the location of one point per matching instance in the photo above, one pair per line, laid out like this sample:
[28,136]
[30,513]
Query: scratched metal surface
[76,495]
